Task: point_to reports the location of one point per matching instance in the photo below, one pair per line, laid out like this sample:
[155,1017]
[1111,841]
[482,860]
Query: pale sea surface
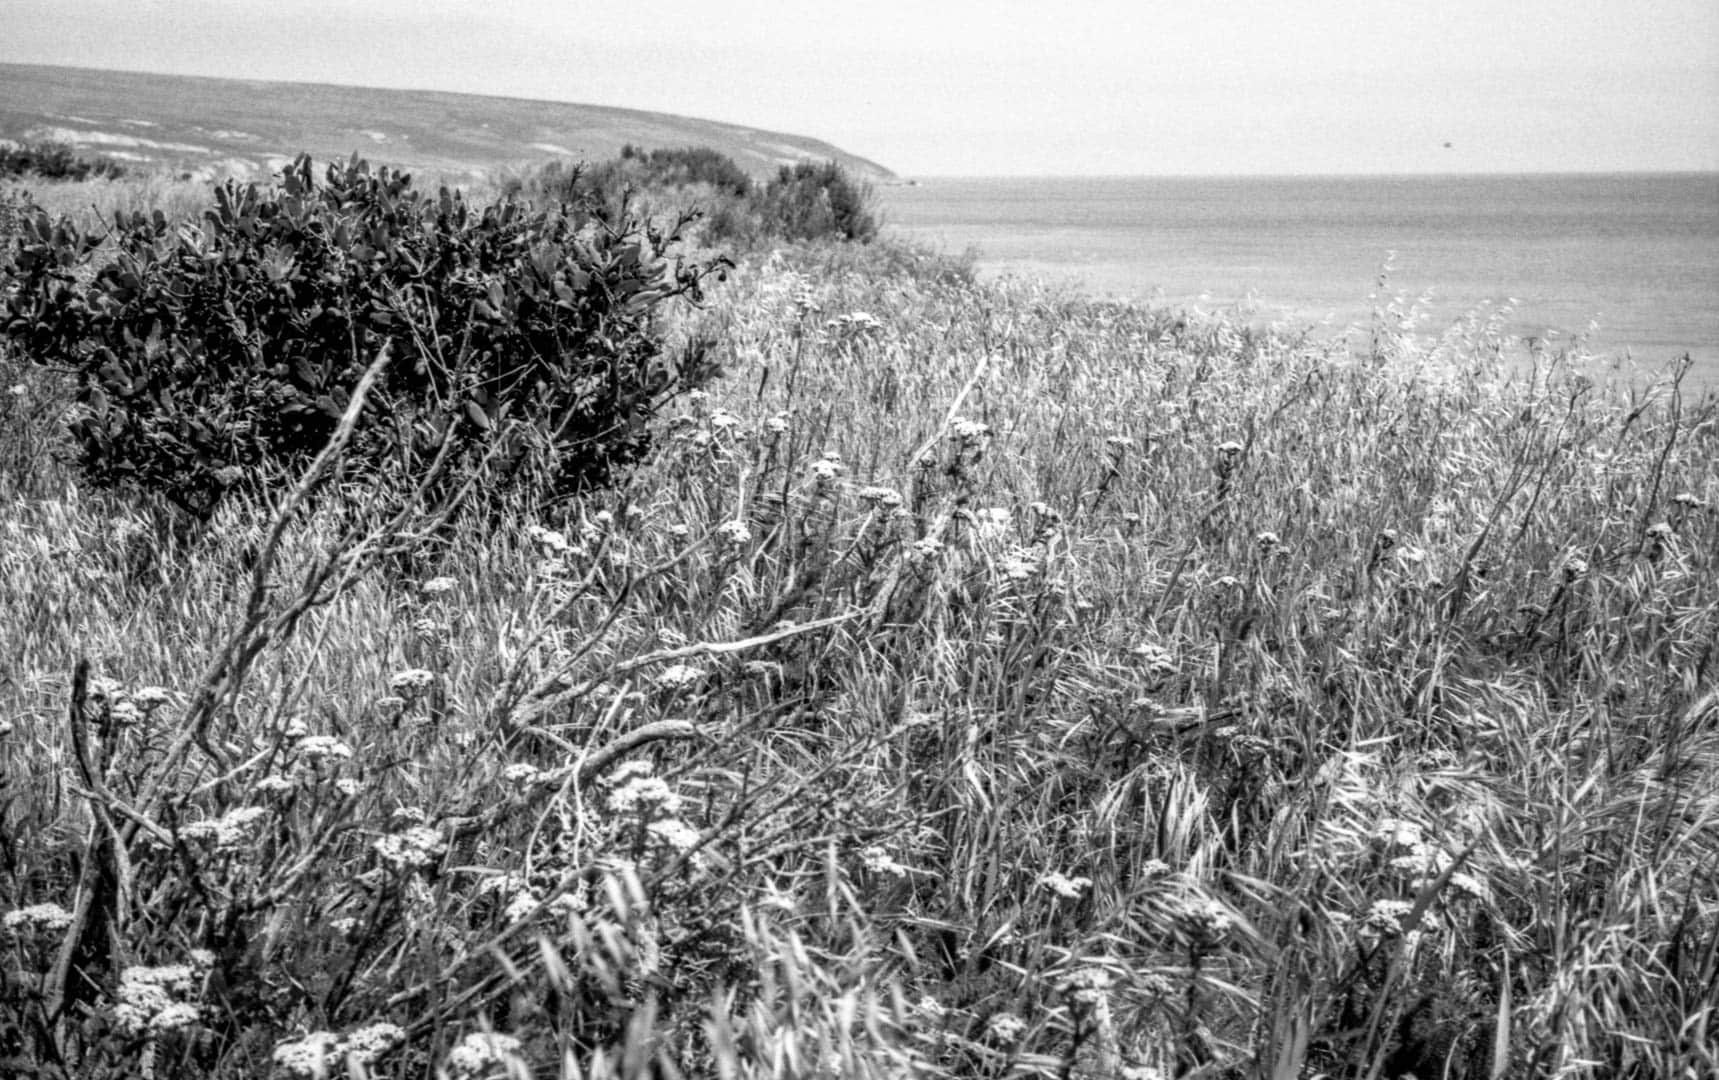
[1634,257]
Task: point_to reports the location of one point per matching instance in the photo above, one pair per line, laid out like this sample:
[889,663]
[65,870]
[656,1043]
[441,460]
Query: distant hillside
[244,126]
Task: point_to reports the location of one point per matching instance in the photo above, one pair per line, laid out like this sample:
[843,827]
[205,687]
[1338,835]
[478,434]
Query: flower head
[320,747]
[411,682]
[367,1044]
[887,498]
[1069,888]
[826,469]
[1006,1027]
[1388,916]
[879,861]
[640,794]
[229,831]
[150,698]
[678,677]
[969,431]
[414,849]
[45,918]
[481,1052]
[308,1055]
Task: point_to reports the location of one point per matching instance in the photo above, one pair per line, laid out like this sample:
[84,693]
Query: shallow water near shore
[1629,263]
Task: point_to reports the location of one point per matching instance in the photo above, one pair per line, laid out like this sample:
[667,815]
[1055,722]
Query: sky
[1006,87]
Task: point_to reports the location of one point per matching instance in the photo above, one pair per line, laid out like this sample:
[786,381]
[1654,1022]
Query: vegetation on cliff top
[977,680]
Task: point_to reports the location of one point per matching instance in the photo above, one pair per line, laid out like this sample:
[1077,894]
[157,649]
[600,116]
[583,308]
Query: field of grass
[980,681]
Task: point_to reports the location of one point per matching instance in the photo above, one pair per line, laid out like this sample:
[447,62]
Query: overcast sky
[949,87]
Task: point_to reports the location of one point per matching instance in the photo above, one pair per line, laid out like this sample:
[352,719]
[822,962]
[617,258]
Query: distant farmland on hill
[203,125]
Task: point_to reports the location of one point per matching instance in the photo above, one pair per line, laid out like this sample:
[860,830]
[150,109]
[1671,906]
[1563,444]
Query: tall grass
[980,681]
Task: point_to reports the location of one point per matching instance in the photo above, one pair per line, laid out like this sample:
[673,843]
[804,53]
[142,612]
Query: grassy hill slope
[205,125]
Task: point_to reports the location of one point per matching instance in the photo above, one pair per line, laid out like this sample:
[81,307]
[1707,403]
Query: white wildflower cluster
[926,549]
[678,677]
[550,539]
[151,999]
[150,698]
[1088,986]
[828,467]
[855,322]
[673,833]
[521,773]
[438,586]
[126,709]
[1049,516]
[309,1055]
[1069,888]
[416,848]
[1408,849]
[1020,564]
[734,533]
[412,682]
[1387,916]
[777,424]
[36,918]
[1006,1027]
[365,1045]
[323,748]
[762,669]
[879,861]
[519,900]
[1159,662]
[1204,922]
[275,785]
[228,832]
[885,498]
[483,1052]
[968,431]
[1118,444]
[321,1053]
[635,789]
[993,522]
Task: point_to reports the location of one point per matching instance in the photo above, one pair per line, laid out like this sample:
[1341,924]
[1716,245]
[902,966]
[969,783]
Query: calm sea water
[1636,256]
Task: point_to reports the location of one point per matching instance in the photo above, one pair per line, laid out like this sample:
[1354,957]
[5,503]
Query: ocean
[1630,263]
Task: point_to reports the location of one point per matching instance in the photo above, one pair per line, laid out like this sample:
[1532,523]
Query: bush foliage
[54,161]
[524,341]
[802,202]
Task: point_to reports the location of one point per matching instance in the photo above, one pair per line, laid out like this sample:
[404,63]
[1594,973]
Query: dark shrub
[209,358]
[691,165]
[806,201]
[53,161]
[803,202]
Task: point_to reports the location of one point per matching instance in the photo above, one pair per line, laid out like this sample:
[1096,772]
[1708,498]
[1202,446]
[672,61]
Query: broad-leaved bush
[219,356]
